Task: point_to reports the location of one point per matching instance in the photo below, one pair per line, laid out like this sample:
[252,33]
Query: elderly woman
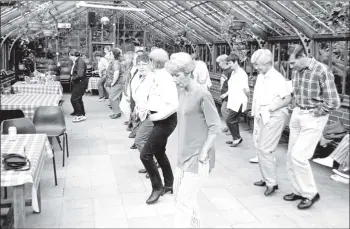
[125,101]
[271,97]
[162,105]
[198,125]
[226,74]
[102,64]
[114,81]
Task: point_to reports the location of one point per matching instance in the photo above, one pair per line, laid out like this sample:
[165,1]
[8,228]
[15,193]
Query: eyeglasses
[142,65]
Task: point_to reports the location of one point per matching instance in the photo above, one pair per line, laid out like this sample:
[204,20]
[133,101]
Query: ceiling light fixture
[84,4]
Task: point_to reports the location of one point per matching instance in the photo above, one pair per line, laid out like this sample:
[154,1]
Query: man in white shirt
[271,97]
[238,93]
[201,73]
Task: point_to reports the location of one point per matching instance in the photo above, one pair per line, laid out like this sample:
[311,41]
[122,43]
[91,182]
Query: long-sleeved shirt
[197,117]
[236,86]
[163,96]
[141,88]
[201,74]
[102,66]
[314,87]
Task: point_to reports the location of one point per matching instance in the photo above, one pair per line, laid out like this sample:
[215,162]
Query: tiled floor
[100,186]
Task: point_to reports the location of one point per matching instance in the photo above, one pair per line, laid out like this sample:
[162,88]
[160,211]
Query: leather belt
[306,108]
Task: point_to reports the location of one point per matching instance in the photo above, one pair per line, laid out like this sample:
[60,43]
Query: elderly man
[271,97]
[226,74]
[315,95]
[201,73]
[238,93]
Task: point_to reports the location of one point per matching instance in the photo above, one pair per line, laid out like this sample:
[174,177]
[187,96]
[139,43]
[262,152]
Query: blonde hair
[159,57]
[180,62]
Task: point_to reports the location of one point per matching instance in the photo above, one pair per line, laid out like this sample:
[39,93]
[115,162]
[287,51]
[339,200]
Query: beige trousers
[266,141]
[186,188]
[305,132]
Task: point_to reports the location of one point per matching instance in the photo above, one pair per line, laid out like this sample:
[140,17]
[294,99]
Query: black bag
[15,162]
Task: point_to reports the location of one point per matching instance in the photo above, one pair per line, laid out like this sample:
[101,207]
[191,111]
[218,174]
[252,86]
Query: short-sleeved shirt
[201,74]
[102,66]
[112,67]
[197,117]
[227,73]
[269,89]
[236,86]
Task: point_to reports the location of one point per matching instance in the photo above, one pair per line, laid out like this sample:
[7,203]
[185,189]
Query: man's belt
[306,108]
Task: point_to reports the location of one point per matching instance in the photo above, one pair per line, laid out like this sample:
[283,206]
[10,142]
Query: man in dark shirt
[79,82]
[226,74]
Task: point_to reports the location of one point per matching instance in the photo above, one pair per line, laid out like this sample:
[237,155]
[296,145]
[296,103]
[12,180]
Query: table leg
[38,194]
[19,213]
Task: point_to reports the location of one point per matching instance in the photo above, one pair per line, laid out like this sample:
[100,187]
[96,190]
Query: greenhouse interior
[132,114]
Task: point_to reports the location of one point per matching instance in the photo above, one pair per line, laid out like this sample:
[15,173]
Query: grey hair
[221,58]
[262,56]
[159,57]
[180,62]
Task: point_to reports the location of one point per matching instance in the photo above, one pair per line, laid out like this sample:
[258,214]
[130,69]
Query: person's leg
[269,137]
[232,124]
[101,88]
[84,84]
[114,95]
[310,134]
[144,130]
[187,186]
[75,99]
[224,113]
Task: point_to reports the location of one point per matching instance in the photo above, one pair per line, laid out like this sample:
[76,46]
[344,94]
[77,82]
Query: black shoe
[270,190]
[236,144]
[307,203]
[154,196]
[129,129]
[260,183]
[132,135]
[167,189]
[73,114]
[292,197]
[115,116]
[229,142]
[147,176]
[133,146]
[142,171]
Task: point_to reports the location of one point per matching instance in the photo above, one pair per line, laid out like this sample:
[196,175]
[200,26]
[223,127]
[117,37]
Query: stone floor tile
[77,212]
[140,211]
[146,222]
[49,217]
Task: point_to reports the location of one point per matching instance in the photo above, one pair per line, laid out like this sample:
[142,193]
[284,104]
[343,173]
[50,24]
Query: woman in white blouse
[162,105]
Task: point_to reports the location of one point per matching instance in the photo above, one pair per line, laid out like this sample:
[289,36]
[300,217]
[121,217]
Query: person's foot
[126,123]
[254,160]
[344,174]
[73,114]
[341,179]
[229,142]
[236,142]
[142,171]
[225,129]
[292,197]
[132,135]
[79,118]
[147,176]
[100,99]
[133,146]
[154,196]
[115,116]
[106,98]
[260,183]
[307,203]
[270,190]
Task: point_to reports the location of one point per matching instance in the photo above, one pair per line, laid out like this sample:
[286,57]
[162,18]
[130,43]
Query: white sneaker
[328,161]
[79,118]
[101,99]
[254,160]
[340,179]
[340,173]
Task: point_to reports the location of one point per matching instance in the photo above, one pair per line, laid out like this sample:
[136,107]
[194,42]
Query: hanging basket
[48,33]
[237,25]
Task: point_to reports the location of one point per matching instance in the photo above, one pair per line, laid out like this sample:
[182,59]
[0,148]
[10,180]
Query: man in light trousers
[271,96]
[315,95]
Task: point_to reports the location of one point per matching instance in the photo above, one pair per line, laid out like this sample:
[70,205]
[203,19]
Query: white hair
[180,62]
[262,56]
[221,58]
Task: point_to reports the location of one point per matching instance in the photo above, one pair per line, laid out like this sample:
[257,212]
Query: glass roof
[202,18]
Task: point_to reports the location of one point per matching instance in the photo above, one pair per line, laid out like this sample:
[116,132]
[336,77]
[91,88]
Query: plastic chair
[50,120]
[10,114]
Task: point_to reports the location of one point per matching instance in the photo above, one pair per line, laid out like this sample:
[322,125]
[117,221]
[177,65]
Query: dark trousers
[156,146]
[232,122]
[76,98]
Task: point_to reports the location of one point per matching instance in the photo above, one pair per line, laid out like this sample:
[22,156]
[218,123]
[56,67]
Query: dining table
[28,103]
[37,149]
[93,83]
[23,87]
